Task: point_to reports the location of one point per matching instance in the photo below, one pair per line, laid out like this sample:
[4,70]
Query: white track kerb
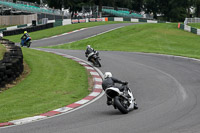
[94,95]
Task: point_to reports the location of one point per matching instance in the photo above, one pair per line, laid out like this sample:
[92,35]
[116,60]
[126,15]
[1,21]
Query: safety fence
[191,20]
[11,66]
[189,28]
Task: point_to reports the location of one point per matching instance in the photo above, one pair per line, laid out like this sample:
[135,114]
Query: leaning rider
[90,52]
[26,38]
[110,81]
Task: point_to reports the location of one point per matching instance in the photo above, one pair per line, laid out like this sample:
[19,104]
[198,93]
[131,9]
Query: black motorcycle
[94,58]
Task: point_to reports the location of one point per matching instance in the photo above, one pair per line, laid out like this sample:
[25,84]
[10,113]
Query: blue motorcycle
[26,42]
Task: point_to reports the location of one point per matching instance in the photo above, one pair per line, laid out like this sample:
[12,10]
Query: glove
[125,83]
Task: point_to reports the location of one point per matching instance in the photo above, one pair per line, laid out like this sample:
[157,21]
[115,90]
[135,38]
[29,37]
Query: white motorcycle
[122,100]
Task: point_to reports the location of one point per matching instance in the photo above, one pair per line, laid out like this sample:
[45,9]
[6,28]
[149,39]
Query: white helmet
[107,75]
[88,46]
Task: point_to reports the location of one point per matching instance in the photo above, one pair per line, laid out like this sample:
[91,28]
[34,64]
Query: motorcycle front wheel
[119,103]
[29,44]
[98,63]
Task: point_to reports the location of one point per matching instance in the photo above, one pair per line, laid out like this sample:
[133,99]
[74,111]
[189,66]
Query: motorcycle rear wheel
[119,105]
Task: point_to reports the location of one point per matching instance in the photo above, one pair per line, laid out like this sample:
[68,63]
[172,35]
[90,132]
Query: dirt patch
[24,74]
[90,81]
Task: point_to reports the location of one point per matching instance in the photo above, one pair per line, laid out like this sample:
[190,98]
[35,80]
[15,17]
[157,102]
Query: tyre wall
[11,66]
[189,28]
[29,29]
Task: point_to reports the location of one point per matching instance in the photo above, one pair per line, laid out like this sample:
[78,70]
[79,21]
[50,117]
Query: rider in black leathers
[90,52]
[109,81]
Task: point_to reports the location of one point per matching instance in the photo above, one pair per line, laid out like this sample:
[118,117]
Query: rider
[90,52]
[26,38]
[110,81]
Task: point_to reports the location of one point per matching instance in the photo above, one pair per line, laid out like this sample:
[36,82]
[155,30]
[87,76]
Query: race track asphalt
[166,89]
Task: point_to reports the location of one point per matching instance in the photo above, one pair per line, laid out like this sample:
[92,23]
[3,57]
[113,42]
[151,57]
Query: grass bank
[54,81]
[195,25]
[151,38]
[58,30]
[2,51]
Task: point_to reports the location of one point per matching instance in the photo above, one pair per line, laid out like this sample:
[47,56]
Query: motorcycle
[27,44]
[122,100]
[95,59]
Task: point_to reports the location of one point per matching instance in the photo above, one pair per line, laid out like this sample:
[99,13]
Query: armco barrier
[11,66]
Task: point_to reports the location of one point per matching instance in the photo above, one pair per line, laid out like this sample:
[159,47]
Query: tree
[152,6]
[137,5]
[174,10]
[197,7]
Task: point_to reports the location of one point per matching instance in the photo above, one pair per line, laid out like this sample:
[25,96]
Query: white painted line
[63,109]
[90,68]
[82,63]
[27,120]
[67,56]
[94,73]
[76,59]
[98,79]
[82,101]
[94,94]
[97,87]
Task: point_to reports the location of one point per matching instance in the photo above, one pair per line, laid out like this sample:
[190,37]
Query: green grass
[151,38]
[57,30]
[195,25]
[54,82]
[4,26]
[2,51]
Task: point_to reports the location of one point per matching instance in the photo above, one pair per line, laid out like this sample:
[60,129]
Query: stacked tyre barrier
[189,28]
[11,66]
[29,29]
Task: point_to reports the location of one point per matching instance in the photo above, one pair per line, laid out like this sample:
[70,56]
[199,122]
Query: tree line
[169,10]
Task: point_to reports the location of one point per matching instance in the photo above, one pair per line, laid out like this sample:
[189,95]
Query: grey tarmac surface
[166,89]
[91,31]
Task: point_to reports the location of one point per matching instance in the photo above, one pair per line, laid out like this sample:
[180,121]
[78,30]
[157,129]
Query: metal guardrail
[191,20]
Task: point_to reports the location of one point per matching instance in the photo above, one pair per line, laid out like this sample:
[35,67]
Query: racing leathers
[26,38]
[110,82]
[90,52]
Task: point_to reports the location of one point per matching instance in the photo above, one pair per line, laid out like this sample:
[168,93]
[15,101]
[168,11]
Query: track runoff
[166,89]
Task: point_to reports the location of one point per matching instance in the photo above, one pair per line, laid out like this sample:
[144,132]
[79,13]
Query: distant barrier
[189,28]
[14,30]
[11,66]
[28,29]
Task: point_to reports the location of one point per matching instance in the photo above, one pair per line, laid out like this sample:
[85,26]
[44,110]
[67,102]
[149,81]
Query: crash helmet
[88,46]
[25,32]
[107,75]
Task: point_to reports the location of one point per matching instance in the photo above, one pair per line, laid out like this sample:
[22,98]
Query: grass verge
[2,51]
[150,38]
[57,30]
[54,81]
[195,25]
